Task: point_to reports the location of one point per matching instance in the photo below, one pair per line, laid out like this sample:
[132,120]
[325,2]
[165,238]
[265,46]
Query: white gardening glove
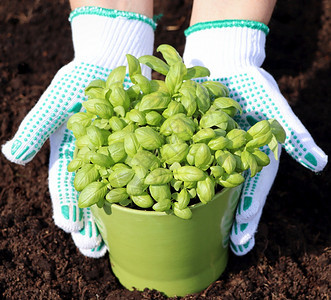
[233,51]
[101,39]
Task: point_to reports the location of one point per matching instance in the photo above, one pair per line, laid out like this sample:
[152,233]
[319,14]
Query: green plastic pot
[154,250]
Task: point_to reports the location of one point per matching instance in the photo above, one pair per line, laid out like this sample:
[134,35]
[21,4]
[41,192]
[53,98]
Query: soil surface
[291,259]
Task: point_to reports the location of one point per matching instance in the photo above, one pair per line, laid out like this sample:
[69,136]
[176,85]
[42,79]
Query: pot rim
[156,213]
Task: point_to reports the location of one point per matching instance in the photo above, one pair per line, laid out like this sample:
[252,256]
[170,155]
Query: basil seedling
[162,143]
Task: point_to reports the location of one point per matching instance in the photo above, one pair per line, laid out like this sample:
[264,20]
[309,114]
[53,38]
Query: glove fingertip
[84,241]
[241,250]
[67,216]
[314,160]
[8,150]
[96,252]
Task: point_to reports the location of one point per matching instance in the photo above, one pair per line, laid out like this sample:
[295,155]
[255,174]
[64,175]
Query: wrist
[226,45]
[143,7]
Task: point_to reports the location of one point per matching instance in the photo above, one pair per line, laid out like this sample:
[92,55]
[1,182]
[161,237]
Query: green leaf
[116,123]
[119,97]
[174,78]
[249,160]
[259,141]
[96,83]
[169,54]
[185,213]
[158,86]
[228,105]
[204,135]
[203,158]
[75,164]
[125,202]
[91,194]
[227,161]
[120,166]
[102,160]
[174,108]
[183,199]
[134,66]
[103,110]
[118,136]
[192,192]
[84,141]
[120,177]
[101,123]
[101,202]
[174,152]
[155,64]
[90,105]
[176,184]
[277,130]
[131,144]
[239,167]
[216,171]
[153,118]
[189,101]
[120,110]
[145,159]
[96,93]
[206,189]
[143,201]
[159,176]
[196,72]
[214,118]
[78,130]
[237,138]
[180,125]
[216,89]
[136,186]
[136,116]
[133,92]
[219,143]
[261,158]
[231,180]
[162,205]
[116,75]
[189,173]
[273,145]
[84,176]
[140,171]
[96,89]
[117,195]
[82,152]
[143,82]
[117,152]
[148,138]
[202,98]
[190,184]
[82,118]
[97,136]
[259,129]
[160,191]
[154,101]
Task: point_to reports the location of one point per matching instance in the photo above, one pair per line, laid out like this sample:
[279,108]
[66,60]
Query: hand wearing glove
[233,51]
[101,38]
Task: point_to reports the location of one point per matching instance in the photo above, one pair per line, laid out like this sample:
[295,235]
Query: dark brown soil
[292,252]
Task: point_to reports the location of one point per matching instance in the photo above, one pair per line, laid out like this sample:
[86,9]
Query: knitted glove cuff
[226,46]
[227,23]
[104,36]
[110,13]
